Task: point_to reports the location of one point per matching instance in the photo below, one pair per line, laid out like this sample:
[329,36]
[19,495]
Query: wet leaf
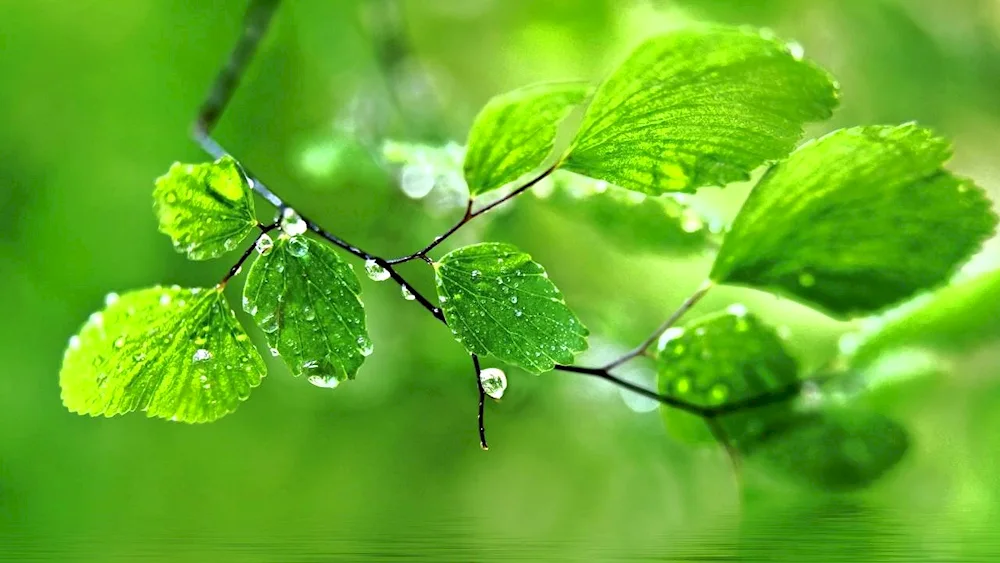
[307,300]
[515,133]
[854,222]
[699,107]
[205,209]
[172,353]
[500,303]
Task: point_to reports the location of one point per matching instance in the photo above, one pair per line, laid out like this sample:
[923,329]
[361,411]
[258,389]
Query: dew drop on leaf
[298,246]
[365,346]
[494,382]
[201,355]
[110,299]
[407,294]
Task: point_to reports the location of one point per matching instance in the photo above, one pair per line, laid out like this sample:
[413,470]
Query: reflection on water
[828,532]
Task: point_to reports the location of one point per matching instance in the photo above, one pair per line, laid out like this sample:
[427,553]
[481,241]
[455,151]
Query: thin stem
[482,403]
[721,436]
[264,229]
[604,374]
[671,321]
[470,215]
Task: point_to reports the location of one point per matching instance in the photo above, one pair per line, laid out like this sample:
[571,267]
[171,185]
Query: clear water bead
[494,382]
[375,271]
[110,299]
[201,355]
[264,244]
[365,346]
[407,294]
[292,224]
[324,382]
[298,246]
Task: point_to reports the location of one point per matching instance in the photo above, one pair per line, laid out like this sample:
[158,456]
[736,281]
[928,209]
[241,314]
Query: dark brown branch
[482,403]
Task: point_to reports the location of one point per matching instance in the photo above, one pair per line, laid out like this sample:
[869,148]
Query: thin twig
[264,229]
[671,321]
[470,215]
[482,403]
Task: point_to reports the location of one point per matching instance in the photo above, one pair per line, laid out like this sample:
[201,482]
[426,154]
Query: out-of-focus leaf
[856,221]
[500,303]
[837,449]
[172,353]
[699,107]
[515,132]
[634,221]
[721,359]
[307,301]
[206,209]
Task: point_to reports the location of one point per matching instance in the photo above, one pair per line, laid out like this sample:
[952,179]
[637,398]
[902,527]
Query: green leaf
[307,300]
[206,209]
[953,321]
[717,360]
[699,107]
[172,353]
[856,221]
[500,303]
[837,449]
[515,132]
[631,220]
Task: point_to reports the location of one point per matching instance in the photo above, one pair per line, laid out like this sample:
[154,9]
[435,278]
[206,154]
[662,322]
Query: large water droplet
[264,244]
[365,346]
[375,271]
[407,294]
[201,355]
[417,180]
[327,382]
[308,313]
[74,342]
[110,299]
[796,50]
[268,323]
[669,335]
[494,382]
[298,246]
[292,224]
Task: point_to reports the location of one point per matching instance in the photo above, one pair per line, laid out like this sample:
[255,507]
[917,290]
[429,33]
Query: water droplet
[311,364]
[737,310]
[475,273]
[672,333]
[795,49]
[513,299]
[375,271]
[683,385]
[366,347]
[165,299]
[691,222]
[120,342]
[417,180]
[298,246]
[264,244]
[494,382]
[807,280]
[442,299]
[74,342]
[308,313]
[719,392]
[325,382]
[407,294]
[139,358]
[517,313]
[110,299]
[96,319]
[292,224]
[275,352]
[201,355]
[268,323]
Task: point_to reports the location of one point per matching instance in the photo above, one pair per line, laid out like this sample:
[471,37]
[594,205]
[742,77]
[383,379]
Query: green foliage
[953,321]
[836,449]
[500,303]
[699,107]
[717,360]
[515,132]
[205,209]
[856,221]
[634,221]
[172,353]
[307,301]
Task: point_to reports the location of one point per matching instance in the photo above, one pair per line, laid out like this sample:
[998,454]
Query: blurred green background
[96,100]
